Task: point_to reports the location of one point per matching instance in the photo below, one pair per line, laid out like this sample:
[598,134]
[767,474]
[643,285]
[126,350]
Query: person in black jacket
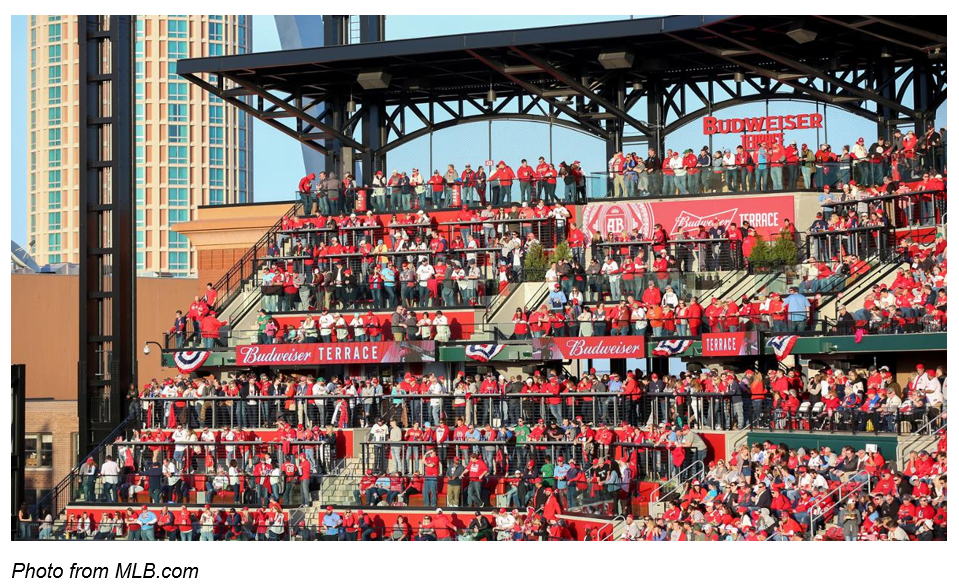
[480,527]
[654,166]
[845,323]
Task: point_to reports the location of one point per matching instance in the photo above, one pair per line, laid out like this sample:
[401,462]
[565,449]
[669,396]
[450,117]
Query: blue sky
[278,160]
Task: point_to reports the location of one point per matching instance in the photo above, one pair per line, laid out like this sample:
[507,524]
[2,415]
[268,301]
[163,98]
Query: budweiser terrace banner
[765,214]
[592,347]
[730,344]
[336,353]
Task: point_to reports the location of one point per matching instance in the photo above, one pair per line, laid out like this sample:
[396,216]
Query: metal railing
[904,210]
[847,488]
[692,471]
[243,271]
[57,499]
[920,436]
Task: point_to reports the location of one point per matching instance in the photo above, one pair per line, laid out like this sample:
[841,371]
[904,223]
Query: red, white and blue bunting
[190,361]
[668,348]
[483,352]
[782,345]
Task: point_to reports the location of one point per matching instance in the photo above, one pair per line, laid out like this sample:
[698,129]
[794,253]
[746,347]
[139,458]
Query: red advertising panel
[765,214]
[730,344]
[345,353]
[592,347]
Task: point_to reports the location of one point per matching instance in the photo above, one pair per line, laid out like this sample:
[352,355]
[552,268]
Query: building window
[53,179]
[178,92]
[179,261]
[33,119]
[140,154]
[54,259]
[177,156]
[33,202]
[215,49]
[39,450]
[140,27]
[241,35]
[53,159]
[177,29]
[216,155]
[33,161]
[33,57]
[216,31]
[141,218]
[53,33]
[242,179]
[216,177]
[53,54]
[139,111]
[53,117]
[177,215]
[139,91]
[141,197]
[179,175]
[53,242]
[138,48]
[178,241]
[177,112]
[141,261]
[242,158]
[179,197]
[141,240]
[216,114]
[216,135]
[33,37]
[33,78]
[139,69]
[54,75]
[53,137]
[53,221]
[53,200]
[178,133]
[216,197]
[139,133]
[53,95]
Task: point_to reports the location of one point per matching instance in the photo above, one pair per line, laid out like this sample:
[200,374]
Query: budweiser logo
[253,355]
[687,220]
[582,348]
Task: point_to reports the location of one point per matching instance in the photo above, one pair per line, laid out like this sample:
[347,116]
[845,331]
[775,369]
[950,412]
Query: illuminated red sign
[761,124]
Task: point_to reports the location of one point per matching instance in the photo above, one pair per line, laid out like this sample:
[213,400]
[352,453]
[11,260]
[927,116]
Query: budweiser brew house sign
[761,129]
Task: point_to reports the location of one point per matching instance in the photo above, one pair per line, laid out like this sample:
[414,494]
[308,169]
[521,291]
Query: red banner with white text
[730,344]
[765,214]
[345,353]
[593,347]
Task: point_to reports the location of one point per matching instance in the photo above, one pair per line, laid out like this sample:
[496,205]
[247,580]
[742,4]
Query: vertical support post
[107,276]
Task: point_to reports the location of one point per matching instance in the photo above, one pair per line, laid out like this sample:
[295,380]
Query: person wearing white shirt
[611,270]
[110,476]
[504,523]
[424,273]
[172,476]
[179,436]
[326,326]
[358,326]
[441,322]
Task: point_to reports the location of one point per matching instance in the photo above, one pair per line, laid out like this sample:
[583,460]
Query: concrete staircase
[338,490]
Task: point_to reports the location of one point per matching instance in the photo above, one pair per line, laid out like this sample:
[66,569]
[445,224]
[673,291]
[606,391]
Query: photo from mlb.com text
[124,571]
[490,278]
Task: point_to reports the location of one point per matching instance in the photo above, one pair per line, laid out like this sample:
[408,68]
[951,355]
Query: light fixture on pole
[351,105]
[491,94]
[739,77]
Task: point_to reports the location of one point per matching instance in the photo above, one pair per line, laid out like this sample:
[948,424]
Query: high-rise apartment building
[191,149]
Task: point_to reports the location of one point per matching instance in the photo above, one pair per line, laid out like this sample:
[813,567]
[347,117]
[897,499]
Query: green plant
[784,251]
[761,253]
[536,263]
[562,252]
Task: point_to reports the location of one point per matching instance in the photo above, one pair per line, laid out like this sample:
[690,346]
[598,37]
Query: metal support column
[107,287]
[654,116]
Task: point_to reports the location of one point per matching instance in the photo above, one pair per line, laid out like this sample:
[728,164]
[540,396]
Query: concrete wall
[45,327]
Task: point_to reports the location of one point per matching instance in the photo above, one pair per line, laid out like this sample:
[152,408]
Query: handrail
[228,282]
[67,482]
[919,435]
[839,490]
[612,526]
[677,478]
